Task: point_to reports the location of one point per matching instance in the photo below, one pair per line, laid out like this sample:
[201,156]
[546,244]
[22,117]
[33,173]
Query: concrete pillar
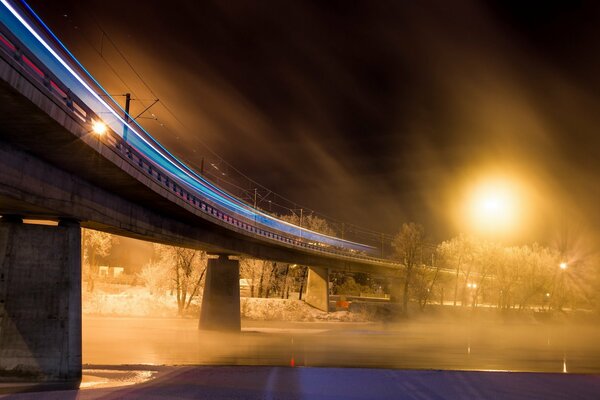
[317,288]
[221,300]
[40,301]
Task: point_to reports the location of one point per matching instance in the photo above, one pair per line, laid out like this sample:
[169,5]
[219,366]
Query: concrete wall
[40,301]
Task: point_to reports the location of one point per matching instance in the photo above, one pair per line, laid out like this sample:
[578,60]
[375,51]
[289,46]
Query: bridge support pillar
[317,288]
[40,301]
[221,300]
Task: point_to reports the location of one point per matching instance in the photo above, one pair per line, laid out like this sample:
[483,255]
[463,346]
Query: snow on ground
[128,301]
[137,301]
[291,310]
[102,378]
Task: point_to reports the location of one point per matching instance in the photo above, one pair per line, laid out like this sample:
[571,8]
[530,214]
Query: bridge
[70,154]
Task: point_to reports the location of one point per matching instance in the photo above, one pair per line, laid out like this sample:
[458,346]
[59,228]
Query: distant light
[472,285]
[493,206]
[563,265]
[547,294]
[99,127]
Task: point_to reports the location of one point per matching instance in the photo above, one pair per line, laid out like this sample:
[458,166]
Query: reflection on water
[423,345]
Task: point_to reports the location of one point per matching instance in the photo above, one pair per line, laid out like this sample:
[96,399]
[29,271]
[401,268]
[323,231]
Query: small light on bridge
[99,127]
[563,265]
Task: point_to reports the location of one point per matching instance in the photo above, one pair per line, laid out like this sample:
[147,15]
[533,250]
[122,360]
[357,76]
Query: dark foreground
[246,382]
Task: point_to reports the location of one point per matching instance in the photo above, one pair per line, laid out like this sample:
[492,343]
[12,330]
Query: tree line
[470,271]
[464,271]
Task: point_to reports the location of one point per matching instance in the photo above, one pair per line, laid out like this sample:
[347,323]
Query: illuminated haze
[376,112]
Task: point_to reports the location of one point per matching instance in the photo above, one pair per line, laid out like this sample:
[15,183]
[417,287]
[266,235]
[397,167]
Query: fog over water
[457,345]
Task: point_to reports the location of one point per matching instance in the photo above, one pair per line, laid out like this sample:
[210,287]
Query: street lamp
[494,206]
[99,127]
[563,265]
[472,287]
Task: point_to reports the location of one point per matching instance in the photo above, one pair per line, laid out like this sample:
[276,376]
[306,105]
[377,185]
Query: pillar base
[40,301]
[221,300]
[317,288]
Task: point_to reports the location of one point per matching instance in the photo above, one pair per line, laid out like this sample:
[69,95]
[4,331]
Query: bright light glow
[99,127]
[472,285]
[563,265]
[494,206]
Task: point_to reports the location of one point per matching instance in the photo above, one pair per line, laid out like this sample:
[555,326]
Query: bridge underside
[67,172]
[51,167]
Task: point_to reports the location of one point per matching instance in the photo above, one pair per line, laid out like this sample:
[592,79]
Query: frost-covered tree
[457,253]
[94,244]
[281,272]
[408,246]
[256,273]
[186,269]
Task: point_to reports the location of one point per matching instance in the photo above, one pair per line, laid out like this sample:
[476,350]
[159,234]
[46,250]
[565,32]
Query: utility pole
[255,195]
[127,104]
[301,215]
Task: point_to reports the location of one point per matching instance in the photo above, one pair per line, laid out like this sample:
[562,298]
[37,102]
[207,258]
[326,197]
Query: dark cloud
[374,112]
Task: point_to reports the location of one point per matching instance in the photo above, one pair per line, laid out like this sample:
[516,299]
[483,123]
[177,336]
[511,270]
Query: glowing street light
[494,205]
[99,127]
[563,265]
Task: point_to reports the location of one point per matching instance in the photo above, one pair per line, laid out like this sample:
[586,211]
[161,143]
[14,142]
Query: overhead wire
[104,35]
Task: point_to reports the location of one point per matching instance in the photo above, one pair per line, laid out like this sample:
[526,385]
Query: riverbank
[136,301]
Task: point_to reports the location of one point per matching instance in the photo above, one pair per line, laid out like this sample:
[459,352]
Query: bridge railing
[35,70]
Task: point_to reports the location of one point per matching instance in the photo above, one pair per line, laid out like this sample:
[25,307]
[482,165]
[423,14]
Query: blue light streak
[141,140]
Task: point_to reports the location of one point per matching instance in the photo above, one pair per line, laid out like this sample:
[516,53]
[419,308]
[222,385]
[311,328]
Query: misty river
[409,345]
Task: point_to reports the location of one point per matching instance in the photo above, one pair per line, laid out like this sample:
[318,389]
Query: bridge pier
[221,300]
[40,301]
[317,288]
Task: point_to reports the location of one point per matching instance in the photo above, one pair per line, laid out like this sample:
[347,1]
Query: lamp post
[472,287]
[563,265]
[559,283]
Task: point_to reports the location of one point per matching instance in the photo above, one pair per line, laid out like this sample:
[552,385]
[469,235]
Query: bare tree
[156,277]
[408,249]
[254,271]
[187,267]
[456,253]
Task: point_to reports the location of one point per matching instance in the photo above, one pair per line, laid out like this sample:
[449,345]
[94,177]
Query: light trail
[146,144]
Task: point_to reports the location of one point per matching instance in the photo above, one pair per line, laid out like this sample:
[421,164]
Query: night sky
[374,112]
